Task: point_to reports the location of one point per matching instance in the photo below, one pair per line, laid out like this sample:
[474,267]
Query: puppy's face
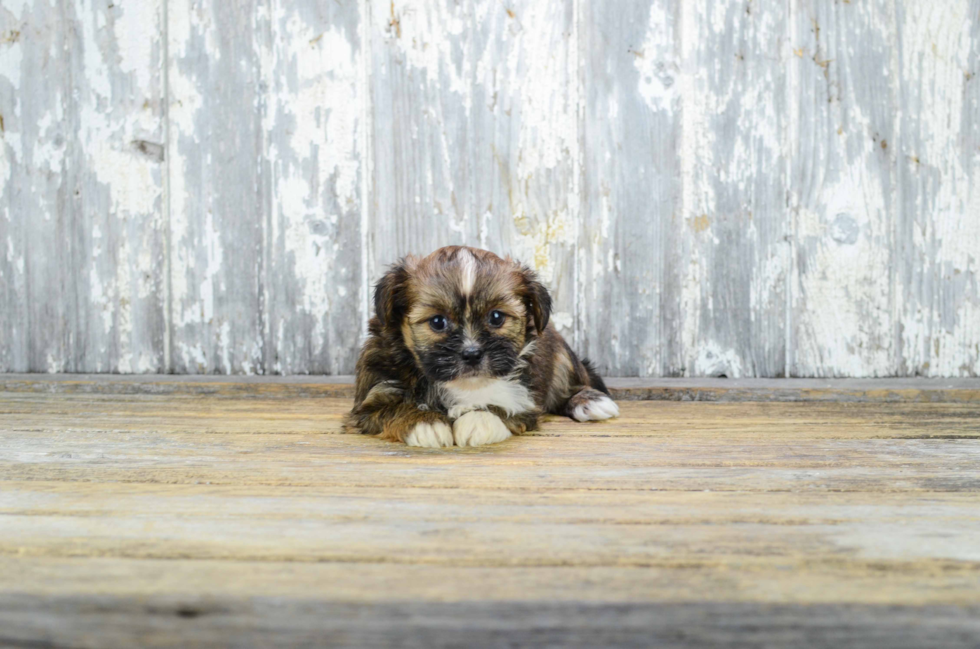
[462,312]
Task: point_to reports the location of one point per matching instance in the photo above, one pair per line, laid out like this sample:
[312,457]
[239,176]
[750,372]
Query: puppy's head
[462,312]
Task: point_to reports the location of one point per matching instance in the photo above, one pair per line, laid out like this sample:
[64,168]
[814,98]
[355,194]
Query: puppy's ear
[536,298]
[390,294]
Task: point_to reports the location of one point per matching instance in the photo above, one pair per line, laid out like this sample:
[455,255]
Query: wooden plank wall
[720,187]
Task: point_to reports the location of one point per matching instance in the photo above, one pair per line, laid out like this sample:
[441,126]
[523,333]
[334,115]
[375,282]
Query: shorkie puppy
[460,351]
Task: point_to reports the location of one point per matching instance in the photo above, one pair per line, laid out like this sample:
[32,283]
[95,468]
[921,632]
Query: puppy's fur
[461,351]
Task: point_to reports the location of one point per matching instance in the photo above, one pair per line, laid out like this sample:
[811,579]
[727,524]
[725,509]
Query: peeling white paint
[47,153]
[563,322]
[422,30]
[196,265]
[322,108]
[716,360]
[493,118]
[656,62]
[94,63]
[131,183]
[81,180]
[15,256]
[212,274]
[535,242]
[55,365]
[940,337]
[193,356]
[136,31]
[185,102]
[224,345]
[99,300]
[16,7]
[6,168]
[11,60]
[525,72]
[548,128]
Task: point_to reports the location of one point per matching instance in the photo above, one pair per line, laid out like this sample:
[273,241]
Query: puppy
[460,351]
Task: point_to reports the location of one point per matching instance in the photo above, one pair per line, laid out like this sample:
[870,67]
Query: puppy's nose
[471,354]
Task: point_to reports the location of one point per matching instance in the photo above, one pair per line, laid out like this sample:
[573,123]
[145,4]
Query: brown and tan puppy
[460,352]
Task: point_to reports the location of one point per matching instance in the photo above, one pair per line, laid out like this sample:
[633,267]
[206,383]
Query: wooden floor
[243,518]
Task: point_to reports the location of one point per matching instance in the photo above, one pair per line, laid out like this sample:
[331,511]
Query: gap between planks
[952,390]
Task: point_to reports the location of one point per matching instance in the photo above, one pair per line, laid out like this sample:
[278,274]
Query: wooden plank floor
[185,519]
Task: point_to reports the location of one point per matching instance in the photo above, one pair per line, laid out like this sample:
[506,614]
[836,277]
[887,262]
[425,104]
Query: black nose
[472,354]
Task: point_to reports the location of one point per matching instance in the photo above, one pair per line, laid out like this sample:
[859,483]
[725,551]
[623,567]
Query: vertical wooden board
[970,138]
[117,234]
[34,101]
[631,185]
[315,122]
[524,140]
[219,190]
[938,241]
[83,200]
[474,134]
[421,95]
[843,188]
[726,253]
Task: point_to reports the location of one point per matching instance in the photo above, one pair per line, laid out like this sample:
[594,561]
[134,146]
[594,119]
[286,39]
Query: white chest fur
[465,395]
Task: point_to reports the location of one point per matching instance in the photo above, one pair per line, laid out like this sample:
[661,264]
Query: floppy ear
[536,299]
[390,299]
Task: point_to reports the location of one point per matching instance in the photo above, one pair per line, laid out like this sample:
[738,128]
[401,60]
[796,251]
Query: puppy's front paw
[478,428]
[592,405]
[431,435]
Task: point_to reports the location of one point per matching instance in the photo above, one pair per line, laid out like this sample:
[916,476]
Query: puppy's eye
[496,319]
[438,323]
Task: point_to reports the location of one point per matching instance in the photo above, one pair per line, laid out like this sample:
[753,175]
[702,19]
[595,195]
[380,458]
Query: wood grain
[631,188]
[36,293]
[81,187]
[715,188]
[938,169]
[220,185]
[314,279]
[420,81]
[533,529]
[182,622]
[189,518]
[729,263]
[844,190]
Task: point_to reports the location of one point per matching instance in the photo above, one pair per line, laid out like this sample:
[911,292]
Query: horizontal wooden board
[488,528]
[226,412]
[652,446]
[702,389]
[181,518]
[524,465]
[259,622]
[295,583]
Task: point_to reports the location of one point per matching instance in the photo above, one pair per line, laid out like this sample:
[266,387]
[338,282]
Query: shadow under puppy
[460,351]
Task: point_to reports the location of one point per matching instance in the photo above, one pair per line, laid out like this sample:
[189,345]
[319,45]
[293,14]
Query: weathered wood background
[715,187]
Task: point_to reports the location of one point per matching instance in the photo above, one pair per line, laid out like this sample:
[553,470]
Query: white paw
[434,435]
[478,428]
[596,410]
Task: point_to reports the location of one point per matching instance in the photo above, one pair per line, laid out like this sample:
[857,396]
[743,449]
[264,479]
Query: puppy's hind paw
[592,405]
[436,434]
[478,428]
